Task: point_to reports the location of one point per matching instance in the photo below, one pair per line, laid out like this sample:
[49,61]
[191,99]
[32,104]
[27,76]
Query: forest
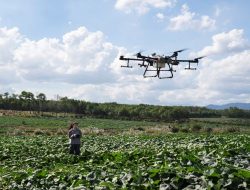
[27,101]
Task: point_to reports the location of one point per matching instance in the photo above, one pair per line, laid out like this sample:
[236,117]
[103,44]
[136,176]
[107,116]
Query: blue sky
[71,48]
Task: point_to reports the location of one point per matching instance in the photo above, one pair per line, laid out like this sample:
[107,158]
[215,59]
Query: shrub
[61,132]
[174,129]
[208,129]
[184,130]
[233,129]
[38,132]
[46,132]
[18,132]
[196,128]
[140,129]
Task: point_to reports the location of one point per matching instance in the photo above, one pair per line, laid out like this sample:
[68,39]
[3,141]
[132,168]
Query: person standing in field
[75,135]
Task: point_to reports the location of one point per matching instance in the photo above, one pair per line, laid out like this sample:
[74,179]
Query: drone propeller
[139,53]
[175,53]
[181,50]
[199,57]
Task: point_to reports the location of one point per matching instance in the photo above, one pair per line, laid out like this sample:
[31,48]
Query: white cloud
[160,16]
[83,60]
[84,65]
[8,75]
[229,77]
[226,42]
[80,57]
[219,80]
[122,92]
[10,39]
[216,81]
[188,20]
[142,7]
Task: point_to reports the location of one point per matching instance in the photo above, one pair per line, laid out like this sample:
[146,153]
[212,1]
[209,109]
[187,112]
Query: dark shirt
[75,134]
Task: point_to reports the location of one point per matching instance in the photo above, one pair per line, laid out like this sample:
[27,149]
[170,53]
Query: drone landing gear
[158,72]
[170,69]
[128,66]
[189,67]
[150,70]
[165,77]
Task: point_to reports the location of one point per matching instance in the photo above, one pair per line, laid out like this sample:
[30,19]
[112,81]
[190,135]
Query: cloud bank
[79,57]
[189,20]
[142,7]
[84,65]
[227,42]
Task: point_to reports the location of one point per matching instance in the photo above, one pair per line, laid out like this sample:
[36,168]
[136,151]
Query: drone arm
[189,63]
[141,58]
[189,60]
[129,59]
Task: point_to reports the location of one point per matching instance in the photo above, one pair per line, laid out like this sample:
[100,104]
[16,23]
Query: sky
[72,47]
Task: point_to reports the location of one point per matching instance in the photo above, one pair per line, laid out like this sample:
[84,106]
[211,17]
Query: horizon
[208,106]
[72,48]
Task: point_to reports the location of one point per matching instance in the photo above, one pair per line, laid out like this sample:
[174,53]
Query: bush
[140,129]
[174,129]
[233,129]
[208,129]
[61,132]
[196,128]
[46,132]
[38,132]
[18,132]
[184,130]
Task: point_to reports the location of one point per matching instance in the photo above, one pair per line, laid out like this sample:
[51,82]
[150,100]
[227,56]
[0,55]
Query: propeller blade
[200,57]
[139,53]
[181,50]
[197,59]
[175,53]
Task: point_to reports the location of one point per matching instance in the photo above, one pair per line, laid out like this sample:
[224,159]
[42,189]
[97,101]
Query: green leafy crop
[126,162]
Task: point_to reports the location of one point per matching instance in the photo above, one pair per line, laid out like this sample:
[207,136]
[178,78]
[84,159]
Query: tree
[6,95]
[41,98]
[28,98]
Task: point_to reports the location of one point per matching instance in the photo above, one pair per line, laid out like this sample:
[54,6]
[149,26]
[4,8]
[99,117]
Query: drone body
[155,64]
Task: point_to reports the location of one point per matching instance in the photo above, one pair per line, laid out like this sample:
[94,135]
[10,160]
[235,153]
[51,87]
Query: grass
[20,125]
[9,124]
[223,121]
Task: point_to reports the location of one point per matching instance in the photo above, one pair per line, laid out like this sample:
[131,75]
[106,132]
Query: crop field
[18,125]
[28,125]
[126,162]
[120,154]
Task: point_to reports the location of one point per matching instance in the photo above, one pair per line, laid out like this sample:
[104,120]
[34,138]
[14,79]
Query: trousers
[74,149]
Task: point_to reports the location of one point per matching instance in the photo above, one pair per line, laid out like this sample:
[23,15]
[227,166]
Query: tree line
[27,101]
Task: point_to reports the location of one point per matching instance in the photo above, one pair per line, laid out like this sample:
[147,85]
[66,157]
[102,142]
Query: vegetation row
[27,101]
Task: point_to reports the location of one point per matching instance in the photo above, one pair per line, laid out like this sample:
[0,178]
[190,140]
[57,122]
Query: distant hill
[244,106]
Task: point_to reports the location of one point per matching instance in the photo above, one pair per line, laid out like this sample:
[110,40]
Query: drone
[157,65]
